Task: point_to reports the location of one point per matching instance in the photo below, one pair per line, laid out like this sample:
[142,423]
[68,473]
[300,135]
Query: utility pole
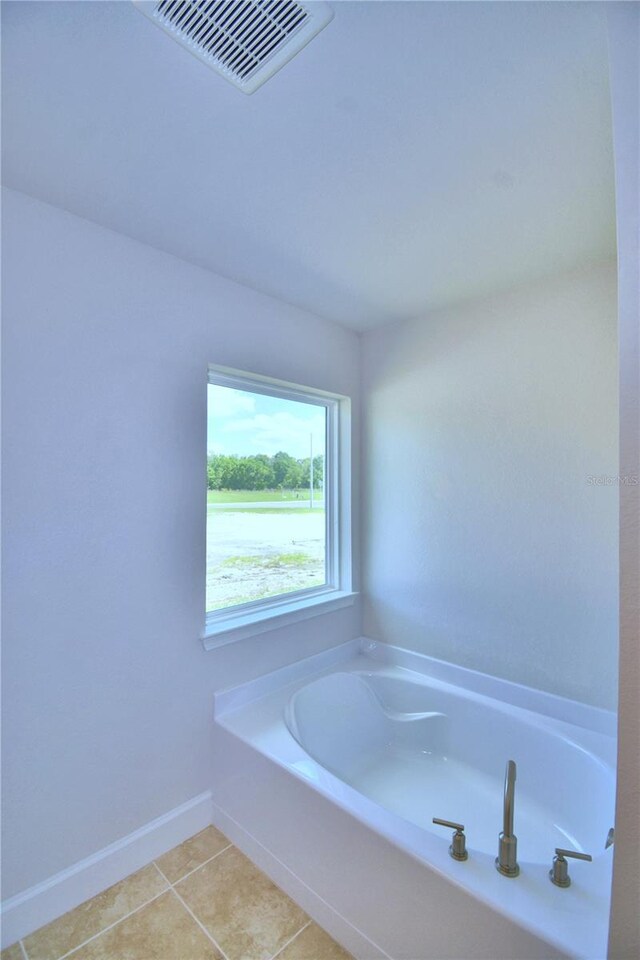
[311,471]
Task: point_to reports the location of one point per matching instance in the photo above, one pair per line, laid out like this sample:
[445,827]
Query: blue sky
[248,423]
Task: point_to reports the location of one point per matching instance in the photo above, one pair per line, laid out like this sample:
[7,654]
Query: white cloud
[225,402]
[243,423]
[269,433]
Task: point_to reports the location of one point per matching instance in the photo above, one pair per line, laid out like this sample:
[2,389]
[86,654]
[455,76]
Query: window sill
[243,625]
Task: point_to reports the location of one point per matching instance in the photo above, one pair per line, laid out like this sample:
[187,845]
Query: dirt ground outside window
[254,553]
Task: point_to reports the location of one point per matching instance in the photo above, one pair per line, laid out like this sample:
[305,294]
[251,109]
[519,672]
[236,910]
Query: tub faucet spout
[507,859]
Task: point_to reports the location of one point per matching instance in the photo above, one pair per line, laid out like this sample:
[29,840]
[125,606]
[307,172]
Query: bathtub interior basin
[421,751]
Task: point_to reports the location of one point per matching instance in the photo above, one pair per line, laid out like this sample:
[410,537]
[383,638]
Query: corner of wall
[624,44]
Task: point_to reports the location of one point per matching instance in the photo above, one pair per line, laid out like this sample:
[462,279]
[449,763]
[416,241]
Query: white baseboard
[318,909]
[31,909]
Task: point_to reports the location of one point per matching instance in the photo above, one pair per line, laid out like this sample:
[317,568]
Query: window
[277,536]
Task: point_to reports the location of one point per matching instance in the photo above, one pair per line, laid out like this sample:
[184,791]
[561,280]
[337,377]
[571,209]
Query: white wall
[483,542]
[107,690]
[624,52]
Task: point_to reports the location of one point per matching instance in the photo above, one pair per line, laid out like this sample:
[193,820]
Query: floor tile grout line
[131,912]
[291,939]
[191,913]
[110,926]
[170,886]
[200,924]
[203,864]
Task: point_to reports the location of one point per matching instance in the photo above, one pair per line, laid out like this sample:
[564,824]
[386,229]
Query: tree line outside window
[261,472]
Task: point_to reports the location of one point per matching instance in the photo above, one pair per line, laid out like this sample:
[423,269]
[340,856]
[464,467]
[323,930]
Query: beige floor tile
[243,910]
[314,944]
[191,853]
[72,929]
[163,930]
[12,953]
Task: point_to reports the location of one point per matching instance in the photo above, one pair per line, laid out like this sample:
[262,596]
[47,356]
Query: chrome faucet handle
[559,873]
[458,848]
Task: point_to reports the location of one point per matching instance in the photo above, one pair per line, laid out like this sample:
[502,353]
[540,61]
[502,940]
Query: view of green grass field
[262,496]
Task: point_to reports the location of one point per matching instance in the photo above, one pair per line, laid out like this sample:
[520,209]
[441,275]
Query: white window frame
[257,616]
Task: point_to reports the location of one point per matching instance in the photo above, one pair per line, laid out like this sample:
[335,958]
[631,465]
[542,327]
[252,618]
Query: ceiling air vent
[246,41]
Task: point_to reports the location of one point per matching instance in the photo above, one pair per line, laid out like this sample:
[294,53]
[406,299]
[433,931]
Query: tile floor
[203,900]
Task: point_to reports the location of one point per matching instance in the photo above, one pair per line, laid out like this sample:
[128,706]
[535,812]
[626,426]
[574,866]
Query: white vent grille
[246,41]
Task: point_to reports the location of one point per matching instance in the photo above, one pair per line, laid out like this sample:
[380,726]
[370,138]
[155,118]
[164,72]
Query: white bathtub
[421,750]
[387,737]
